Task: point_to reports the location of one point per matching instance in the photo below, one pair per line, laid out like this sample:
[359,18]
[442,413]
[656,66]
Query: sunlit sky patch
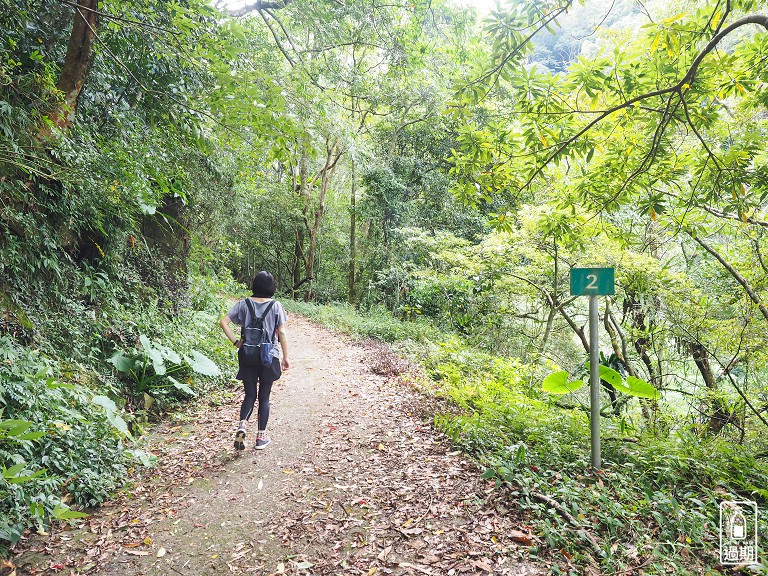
[483,6]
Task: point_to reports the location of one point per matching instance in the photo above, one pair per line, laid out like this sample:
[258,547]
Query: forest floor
[356,481]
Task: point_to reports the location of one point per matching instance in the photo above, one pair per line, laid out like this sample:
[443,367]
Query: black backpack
[257,344]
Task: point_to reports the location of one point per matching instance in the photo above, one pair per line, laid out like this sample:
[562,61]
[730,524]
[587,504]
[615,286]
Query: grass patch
[378,323]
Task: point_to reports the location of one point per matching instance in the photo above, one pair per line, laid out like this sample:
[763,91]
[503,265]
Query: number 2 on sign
[593,282]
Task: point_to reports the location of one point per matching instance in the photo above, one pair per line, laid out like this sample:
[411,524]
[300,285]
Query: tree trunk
[550,300]
[547,331]
[298,259]
[77,62]
[167,237]
[579,330]
[718,415]
[641,343]
[325,174]
[351,288]
[300,184]
[613,326]
[258,6]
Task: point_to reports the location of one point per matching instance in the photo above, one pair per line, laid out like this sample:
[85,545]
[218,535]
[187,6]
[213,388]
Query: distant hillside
[580,27]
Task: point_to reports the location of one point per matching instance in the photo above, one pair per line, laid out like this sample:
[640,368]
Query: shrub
[656,501]
[72,444]
[377,323]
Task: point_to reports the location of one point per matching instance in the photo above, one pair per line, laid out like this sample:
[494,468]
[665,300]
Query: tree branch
[167,95]
[277,40]
[688,79]
[727,371]
[720,214]
[560,308]
[543,23]
[733,272]
[107,16]
[698,135]
[560,509]
[248,8]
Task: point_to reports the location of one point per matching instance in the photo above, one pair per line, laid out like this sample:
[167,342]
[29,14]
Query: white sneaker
[262,441]
[240,439]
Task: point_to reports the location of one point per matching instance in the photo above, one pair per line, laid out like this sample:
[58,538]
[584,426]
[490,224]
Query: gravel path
[355,482]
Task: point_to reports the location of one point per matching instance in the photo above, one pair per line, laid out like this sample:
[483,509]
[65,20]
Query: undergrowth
[654,508]
[377,323]
[71,419]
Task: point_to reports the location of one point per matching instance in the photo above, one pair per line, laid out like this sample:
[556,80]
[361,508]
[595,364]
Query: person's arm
[224,323]
[285,364]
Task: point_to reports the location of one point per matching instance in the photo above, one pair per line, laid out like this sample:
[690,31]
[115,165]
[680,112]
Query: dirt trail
[354,482]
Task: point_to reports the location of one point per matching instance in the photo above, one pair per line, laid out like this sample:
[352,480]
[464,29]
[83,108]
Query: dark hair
[263,285]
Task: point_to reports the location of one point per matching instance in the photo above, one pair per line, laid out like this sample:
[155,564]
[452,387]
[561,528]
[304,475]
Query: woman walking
[256,315]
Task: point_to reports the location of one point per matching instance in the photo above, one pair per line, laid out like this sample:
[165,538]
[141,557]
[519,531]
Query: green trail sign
[592,282]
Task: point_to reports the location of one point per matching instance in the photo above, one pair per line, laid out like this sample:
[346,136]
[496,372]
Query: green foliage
[16,430]
[671,489]
[155,367]
[376,323]
[66,433]
[55,440]
[111,412]
[199,151]
[557,383]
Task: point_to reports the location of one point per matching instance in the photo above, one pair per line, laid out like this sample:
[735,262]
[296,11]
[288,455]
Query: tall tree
[77,61]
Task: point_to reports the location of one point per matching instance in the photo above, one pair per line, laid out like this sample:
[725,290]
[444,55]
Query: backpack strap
[272,336]
[252,309]
[277,318]
[272,303]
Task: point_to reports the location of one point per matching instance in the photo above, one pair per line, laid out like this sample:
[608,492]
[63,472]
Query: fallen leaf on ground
[521,537]
[482,565]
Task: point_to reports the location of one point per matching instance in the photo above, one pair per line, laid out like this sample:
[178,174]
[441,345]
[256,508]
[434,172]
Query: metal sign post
[593,282]
[594,383]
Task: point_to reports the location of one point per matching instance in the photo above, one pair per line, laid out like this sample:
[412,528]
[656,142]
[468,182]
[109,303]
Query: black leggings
[264,388]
